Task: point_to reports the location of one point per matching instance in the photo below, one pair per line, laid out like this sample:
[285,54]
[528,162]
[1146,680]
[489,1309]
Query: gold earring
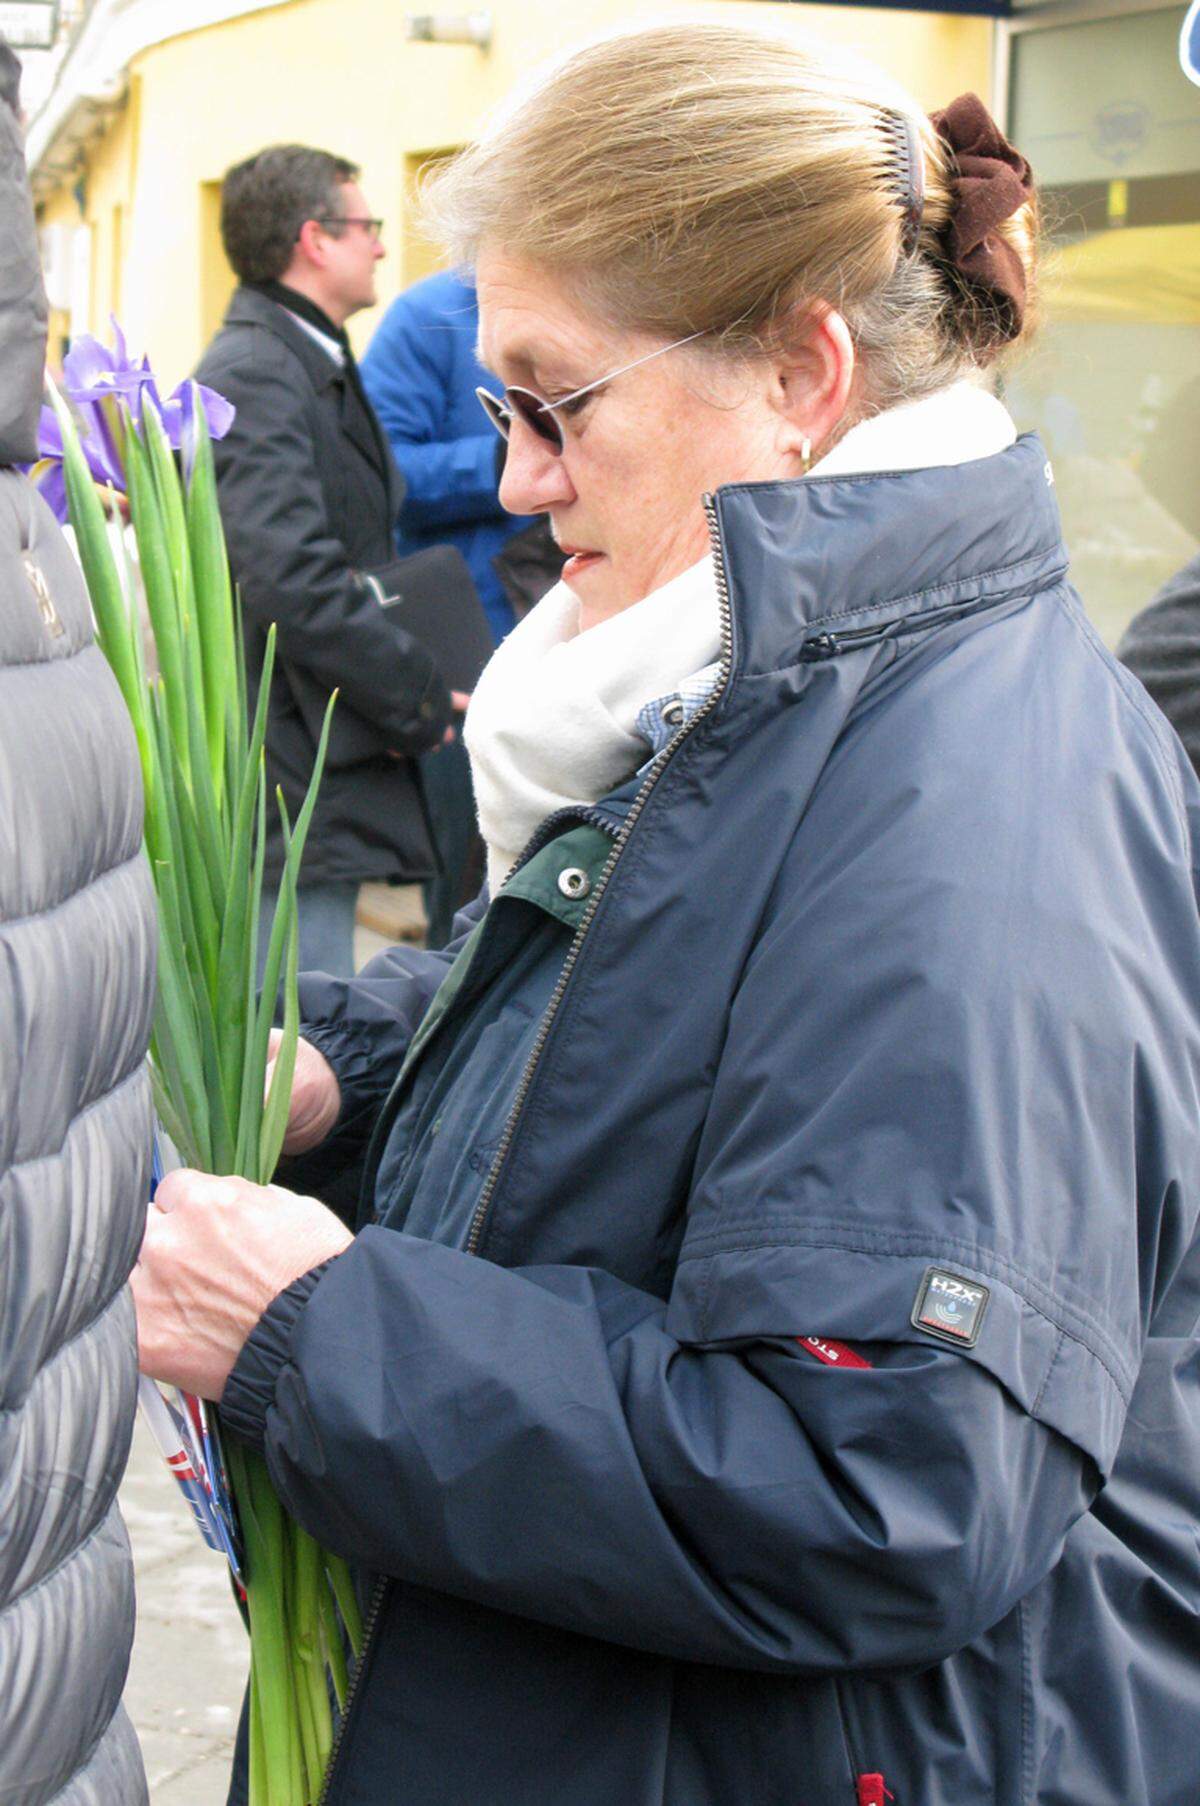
[806,455]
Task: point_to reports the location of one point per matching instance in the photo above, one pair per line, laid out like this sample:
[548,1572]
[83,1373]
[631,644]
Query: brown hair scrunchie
[992,182]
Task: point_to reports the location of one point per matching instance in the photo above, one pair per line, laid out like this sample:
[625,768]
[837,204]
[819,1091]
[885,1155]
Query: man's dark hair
[266,200]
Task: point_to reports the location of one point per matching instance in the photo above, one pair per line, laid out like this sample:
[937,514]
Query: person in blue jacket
[421,373]
[763,1363]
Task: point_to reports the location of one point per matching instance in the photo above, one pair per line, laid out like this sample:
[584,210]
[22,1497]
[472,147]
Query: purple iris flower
[102,385]
[47,473]
[179,419]
[92,373]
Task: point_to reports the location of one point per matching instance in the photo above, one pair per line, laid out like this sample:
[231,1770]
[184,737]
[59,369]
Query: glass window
[1112,129]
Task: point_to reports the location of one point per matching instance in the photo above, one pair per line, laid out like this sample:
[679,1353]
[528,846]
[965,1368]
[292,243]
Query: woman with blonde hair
[761,1370]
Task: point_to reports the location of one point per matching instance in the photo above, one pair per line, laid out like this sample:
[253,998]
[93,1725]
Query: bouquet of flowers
[205,824]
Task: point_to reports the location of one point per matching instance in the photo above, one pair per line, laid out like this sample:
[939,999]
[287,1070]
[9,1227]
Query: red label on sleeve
[871,1791]
[834,1354]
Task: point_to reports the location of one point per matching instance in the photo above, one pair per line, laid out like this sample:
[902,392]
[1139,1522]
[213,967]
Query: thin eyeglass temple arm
[548,407]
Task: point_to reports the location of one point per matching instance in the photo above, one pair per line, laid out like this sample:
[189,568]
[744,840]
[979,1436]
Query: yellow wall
[339,73]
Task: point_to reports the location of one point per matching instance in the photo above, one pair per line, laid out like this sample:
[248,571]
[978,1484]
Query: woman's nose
[534,477]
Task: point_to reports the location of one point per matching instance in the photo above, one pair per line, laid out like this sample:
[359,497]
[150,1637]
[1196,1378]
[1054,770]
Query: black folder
[430,594]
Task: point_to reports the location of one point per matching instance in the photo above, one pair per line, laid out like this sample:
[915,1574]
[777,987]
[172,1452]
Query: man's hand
[216,1252]
[316,1096]
[460,702]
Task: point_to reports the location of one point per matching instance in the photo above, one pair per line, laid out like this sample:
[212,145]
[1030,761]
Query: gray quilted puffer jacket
[76,992]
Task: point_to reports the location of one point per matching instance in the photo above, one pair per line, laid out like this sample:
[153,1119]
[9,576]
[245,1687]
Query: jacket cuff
[250,1389]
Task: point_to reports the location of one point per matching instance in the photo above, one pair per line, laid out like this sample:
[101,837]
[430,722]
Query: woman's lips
[578,560]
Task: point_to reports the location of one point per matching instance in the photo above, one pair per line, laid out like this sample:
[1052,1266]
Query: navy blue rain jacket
[805,1403]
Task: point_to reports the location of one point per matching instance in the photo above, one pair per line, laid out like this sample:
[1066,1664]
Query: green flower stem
[340,1580]
[205,834]
[331,1646]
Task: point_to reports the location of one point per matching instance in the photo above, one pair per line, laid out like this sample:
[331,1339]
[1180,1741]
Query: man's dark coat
[309,497]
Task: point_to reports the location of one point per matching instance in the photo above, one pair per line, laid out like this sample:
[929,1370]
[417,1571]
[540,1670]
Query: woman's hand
[316,1096]
[216,1252]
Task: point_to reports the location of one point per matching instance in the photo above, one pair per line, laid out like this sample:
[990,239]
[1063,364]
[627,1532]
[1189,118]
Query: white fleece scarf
[552,722]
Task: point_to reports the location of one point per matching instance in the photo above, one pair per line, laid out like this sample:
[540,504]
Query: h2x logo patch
[950,1306]
[51,620]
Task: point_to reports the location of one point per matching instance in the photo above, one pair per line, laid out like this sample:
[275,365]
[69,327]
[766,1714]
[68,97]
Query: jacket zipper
[373,1611]
[824,646]
[481,1209]
[657,766]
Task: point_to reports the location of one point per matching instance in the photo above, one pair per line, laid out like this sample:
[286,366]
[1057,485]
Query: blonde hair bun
[719,179]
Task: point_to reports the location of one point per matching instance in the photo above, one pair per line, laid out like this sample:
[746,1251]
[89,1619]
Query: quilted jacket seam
[61,663]
[83,1329]
[102,877]
[78,1116]
[76,1550]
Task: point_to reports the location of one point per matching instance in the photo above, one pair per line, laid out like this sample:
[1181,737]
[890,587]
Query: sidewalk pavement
[190,1653]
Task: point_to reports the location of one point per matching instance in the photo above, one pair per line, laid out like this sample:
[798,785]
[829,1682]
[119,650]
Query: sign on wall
[29,24]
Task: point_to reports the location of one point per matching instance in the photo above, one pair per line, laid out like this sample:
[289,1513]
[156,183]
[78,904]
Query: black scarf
[307,310]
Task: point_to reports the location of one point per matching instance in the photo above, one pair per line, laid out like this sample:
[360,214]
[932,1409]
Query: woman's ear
[812,377]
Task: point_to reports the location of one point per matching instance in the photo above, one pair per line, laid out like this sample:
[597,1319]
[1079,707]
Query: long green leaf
[236,970]
[167,487]
[165,1091]
[275,1112]
[210,835]
[214,612]
[177,941]
[250,1114]
[151,777]
[175,890]
[159,582]
[104,585]
[201,904]
[174,1003]
[193,928]
[284,925]
[237,720]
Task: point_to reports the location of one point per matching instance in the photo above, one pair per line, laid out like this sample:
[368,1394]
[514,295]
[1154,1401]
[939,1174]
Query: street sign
[1189,44]
[29,24]
[989,9]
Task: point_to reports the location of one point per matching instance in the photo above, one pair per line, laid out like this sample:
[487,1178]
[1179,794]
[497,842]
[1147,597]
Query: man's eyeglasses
[539,414]
[372,227]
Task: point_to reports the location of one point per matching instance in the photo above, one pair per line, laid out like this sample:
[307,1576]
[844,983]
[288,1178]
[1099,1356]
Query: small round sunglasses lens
[495,410]
[535,414]
[531,410]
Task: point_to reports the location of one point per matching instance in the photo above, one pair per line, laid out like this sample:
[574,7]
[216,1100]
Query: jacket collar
[249,308]
[848,553]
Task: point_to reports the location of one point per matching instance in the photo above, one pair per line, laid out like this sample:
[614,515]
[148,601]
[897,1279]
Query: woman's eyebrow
[519,355]
[536,366]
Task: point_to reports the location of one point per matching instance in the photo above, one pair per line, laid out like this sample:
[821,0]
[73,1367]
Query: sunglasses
[539,415]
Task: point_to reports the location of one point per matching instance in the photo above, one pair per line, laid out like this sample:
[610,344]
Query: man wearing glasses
[309,496]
